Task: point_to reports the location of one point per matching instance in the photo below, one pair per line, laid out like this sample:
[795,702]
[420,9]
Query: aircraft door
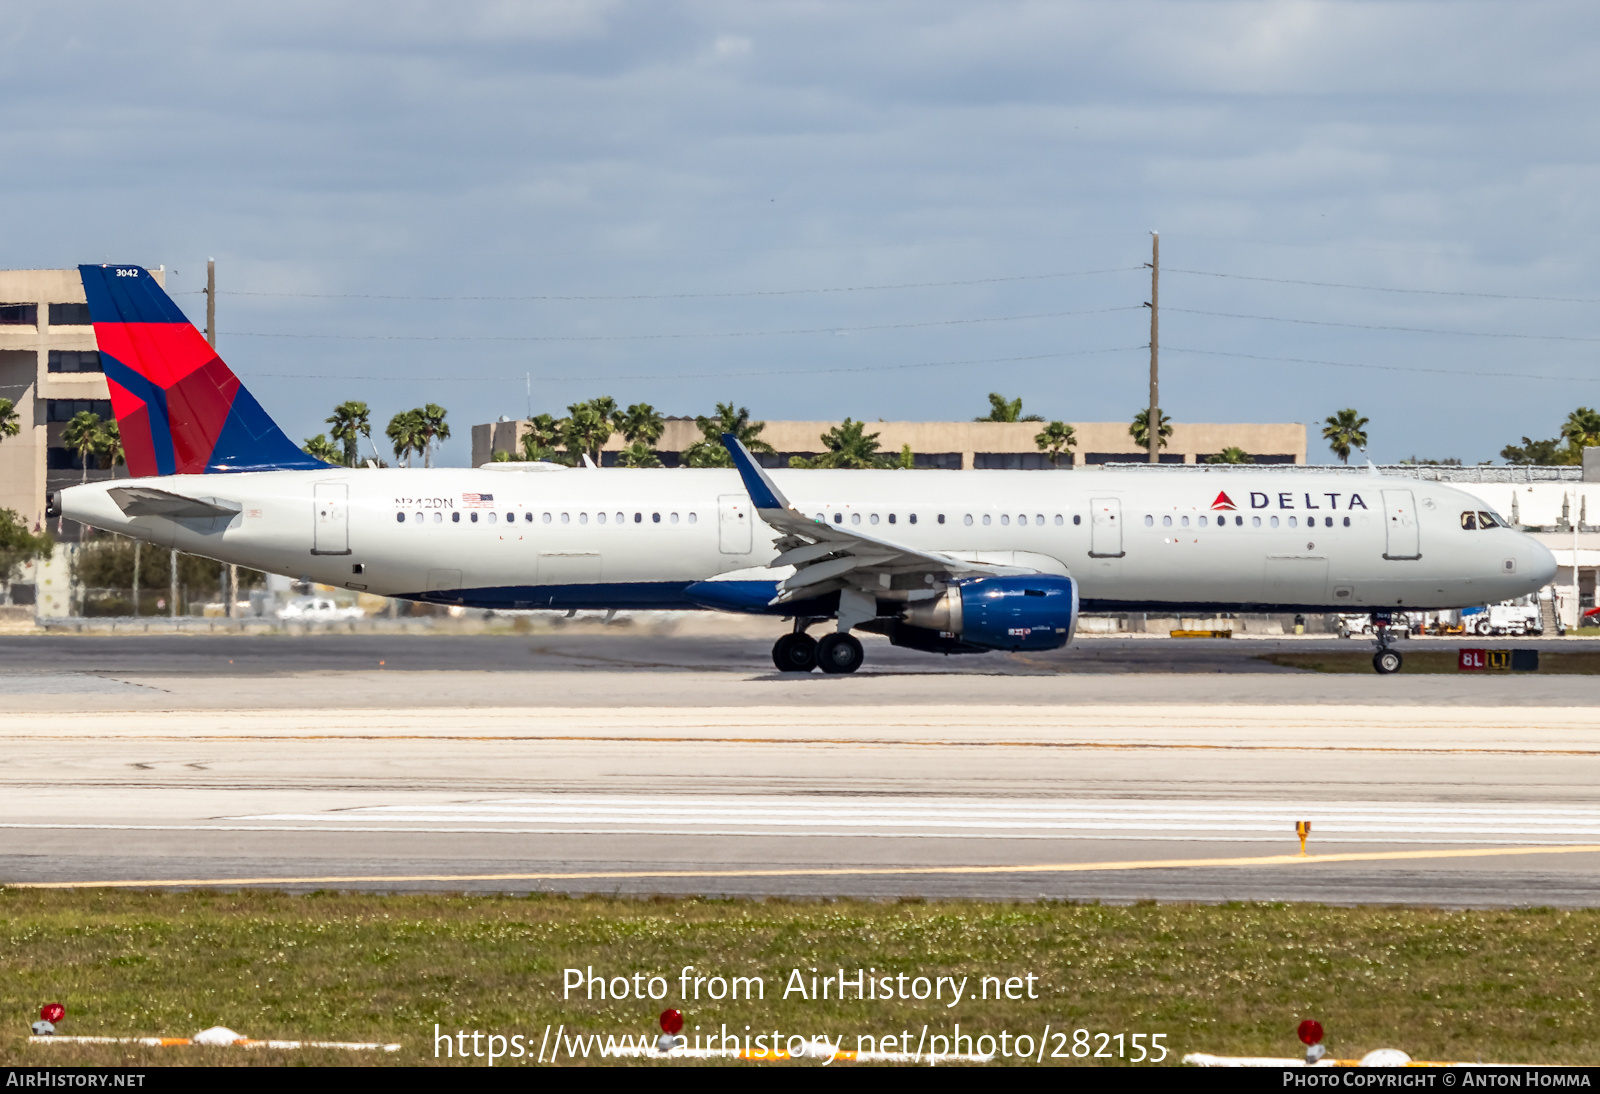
[733,524]
[1105,528]
[332,507]
[1400,526]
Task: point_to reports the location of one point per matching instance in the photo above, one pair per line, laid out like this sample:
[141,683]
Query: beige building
[50,369]
[966,445]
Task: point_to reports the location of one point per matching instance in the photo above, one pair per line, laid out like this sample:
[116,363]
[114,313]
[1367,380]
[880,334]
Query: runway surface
[595,762]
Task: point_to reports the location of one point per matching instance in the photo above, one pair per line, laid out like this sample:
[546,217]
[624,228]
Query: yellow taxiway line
[836,871]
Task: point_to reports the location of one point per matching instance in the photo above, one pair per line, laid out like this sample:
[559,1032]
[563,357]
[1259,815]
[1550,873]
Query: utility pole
[211,302]
[230,592]
[1153,418]
[172,594]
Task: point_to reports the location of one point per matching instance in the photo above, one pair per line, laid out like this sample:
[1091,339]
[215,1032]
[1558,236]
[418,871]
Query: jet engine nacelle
[1035,612]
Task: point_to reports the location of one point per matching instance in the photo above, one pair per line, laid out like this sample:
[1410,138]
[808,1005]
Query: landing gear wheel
[795,653]
[1386,661]
[839,653]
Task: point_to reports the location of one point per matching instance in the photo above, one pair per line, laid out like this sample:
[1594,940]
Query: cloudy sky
[820,209]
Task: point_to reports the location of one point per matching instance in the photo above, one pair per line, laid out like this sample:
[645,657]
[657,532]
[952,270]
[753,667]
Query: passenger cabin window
[1149,521]
[493,517]
[987,518]
[1255,522]
[1274,521]
[600,518]
[1347,522]
[1181,520]
[692,518]
[967,519]
[1058,518]
[1078,519]
[455,518]
[1202,522]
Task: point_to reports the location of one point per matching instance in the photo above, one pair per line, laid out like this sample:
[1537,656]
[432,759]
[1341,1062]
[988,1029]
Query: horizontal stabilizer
[142,501]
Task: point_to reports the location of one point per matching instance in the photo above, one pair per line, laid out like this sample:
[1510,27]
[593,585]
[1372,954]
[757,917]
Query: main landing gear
[1387,660]
[832,653]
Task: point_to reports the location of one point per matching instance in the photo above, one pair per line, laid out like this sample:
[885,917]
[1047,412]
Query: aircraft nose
[1540,562]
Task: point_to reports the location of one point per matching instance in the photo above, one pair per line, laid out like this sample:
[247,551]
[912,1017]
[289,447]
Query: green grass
[1432,662]
[1502,986]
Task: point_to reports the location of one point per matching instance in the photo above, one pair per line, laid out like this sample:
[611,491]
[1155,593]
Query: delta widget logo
[1223,501]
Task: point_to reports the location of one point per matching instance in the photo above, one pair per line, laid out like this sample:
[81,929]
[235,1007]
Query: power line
[657,337]
[1391,289]
[689,295]
[1376,326]
[705,375]
[1386,368]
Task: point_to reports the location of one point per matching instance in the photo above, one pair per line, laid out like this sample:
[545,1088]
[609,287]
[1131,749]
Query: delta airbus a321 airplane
[942,561]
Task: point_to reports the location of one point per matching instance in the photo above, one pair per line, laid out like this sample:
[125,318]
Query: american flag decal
[477,501]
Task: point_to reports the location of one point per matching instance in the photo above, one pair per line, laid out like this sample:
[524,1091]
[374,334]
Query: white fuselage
[625,538]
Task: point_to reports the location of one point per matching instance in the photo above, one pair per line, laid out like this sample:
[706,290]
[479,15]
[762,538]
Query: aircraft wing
[143,501]
[829,556]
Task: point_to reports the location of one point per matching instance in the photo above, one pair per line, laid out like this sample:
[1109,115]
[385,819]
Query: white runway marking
[967,818]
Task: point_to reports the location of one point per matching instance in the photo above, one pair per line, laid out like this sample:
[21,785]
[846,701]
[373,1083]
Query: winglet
[764,494]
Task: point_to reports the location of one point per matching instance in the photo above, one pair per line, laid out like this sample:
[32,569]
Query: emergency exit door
[734,533]
[1403,540]
[332,530]
[1105,528]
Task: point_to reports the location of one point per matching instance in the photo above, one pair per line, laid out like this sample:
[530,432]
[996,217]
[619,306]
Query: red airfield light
[671,1022]
[52,1012]
[1310,1031]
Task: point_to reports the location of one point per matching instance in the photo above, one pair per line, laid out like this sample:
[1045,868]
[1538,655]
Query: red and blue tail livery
[181,411]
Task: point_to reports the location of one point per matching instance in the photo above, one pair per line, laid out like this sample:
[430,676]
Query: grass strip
[1514,985]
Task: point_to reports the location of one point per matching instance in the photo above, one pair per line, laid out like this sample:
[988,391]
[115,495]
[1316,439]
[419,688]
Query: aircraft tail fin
[180,409]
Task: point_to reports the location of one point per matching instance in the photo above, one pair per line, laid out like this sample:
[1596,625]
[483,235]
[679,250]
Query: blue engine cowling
[1034,612]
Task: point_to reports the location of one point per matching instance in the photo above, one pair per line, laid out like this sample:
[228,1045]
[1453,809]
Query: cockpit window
[1469,521]
[1489,520]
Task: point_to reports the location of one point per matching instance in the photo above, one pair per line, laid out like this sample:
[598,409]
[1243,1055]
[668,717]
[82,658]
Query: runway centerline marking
[837,871]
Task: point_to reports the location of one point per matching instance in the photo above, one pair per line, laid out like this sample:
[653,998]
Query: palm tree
[1231,454]
[907,460]
[1582,428]
[1344,431]
[82,435]
[641,422]
[638,454]
[405,433]
[1140,429]
[434,431]
[531,449]
[348,424]
[849,447]
[586,430]
[1003,410]
[708,452]
[10,424]
[108,451]
[1056,438]
[545,431]
[606,407]
[323,449]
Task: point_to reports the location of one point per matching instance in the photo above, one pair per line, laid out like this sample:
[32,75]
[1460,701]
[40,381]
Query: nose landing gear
[1387,660]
